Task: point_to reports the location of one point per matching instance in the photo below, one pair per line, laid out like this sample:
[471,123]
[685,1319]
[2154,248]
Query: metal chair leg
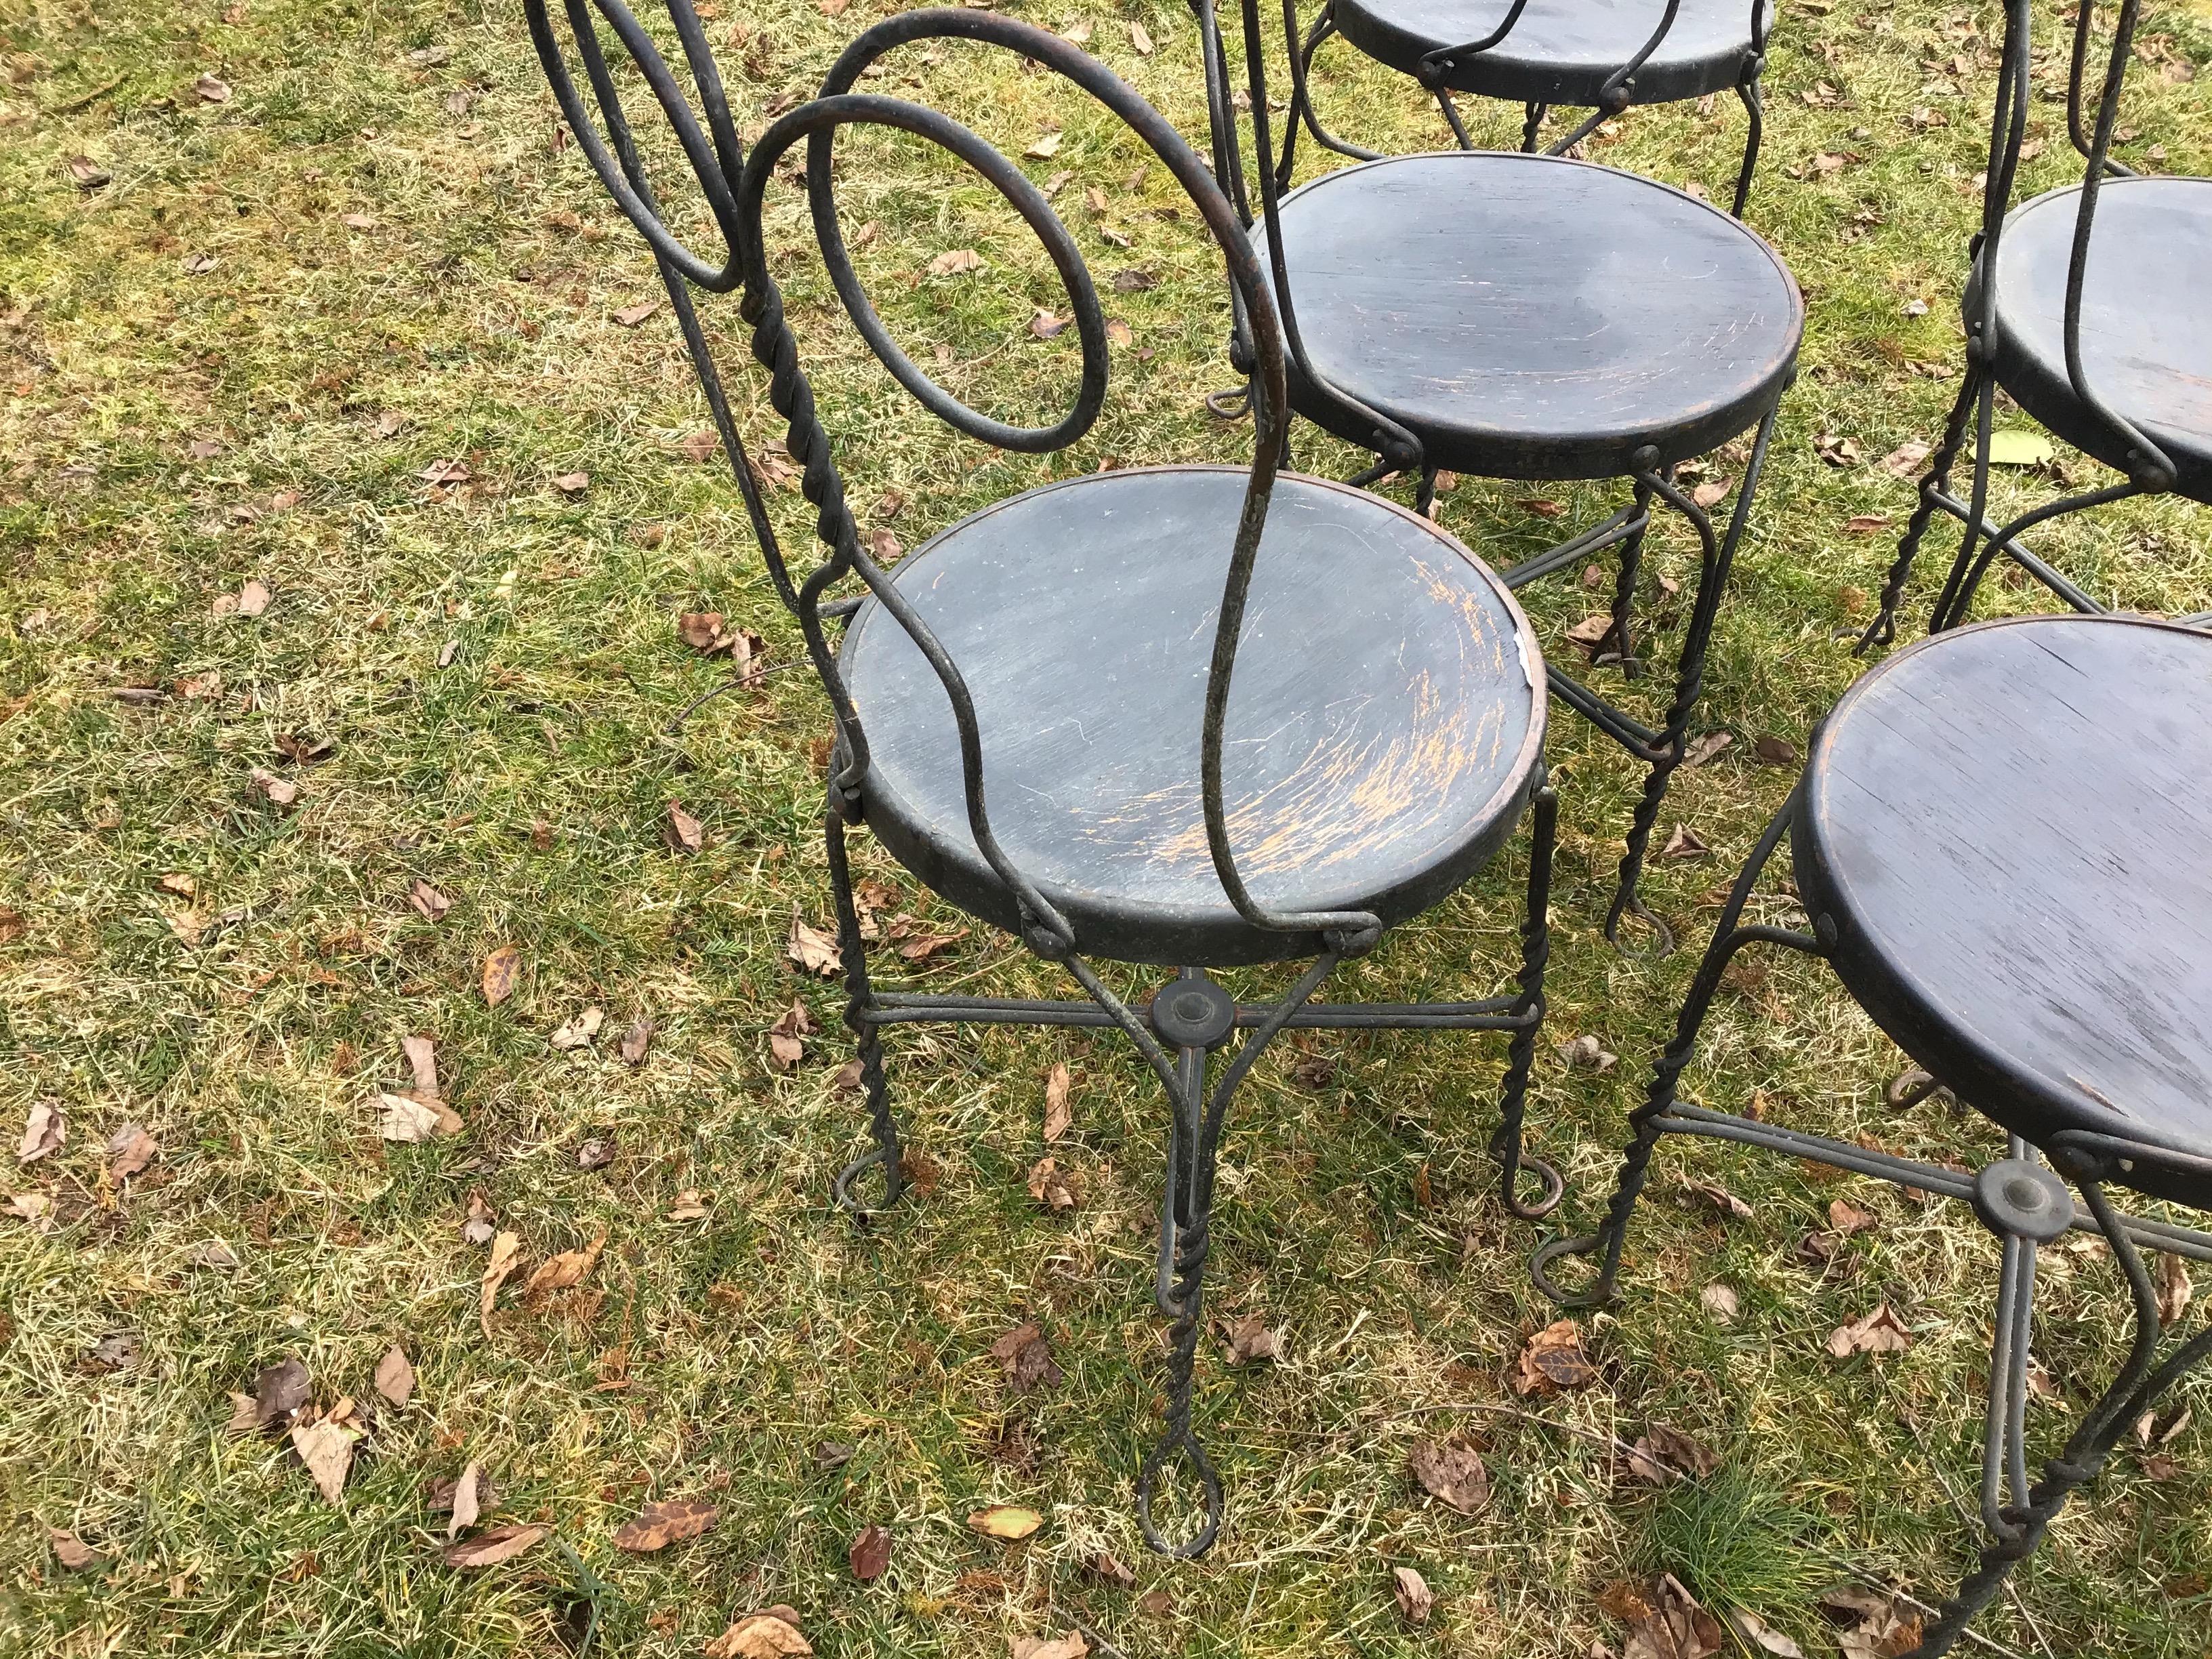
[1535,951]
[859,1011]
[1882,630]
[1620,637]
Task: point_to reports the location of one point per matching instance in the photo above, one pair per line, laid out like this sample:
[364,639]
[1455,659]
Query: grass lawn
[297,365]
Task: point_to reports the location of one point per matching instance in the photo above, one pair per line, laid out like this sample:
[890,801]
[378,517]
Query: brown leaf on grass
[505,1247]
[1247,1340]
[683,832]
[279,1391]
[920,947]
[45,1130]
[1904,460]
[489,1549]
[1776,752]
[1025,1356]
[670,1521]
[1118,332]
[1070,1646]
[573,484]
[1673,1626]
[427,901]
[327,1450]
[1720,1301]
[1586,1053]
[884,547]
[811,950]
[72,1551]
[465,1498]
[1724,1202]
[277,791]
[1107,1568]
[771,1633]
[1704,750]
[1592,631]
[784,1044]
[1044,148]
[1762,1636]
[1684,844]
[1846,1218]
[566,1271]
[1865,524]
[1058,1116]
[395,1377]
[87,174]
[705,632]
[1006,1520]
[1554,1359]
[1836,449]
[2175,1292]
[1873,1626]
[1053,1187]
[580,1032]
[631,316]
[1879,1332]
[955,261]
[130,1149]
[212,90]
[1416,1602]
[637,1040]
[501,970]
[1452,1472]
[1661,1454]
[689,1205]
[870,1553]
[1542,506]
[253,599]
[1047,325]
[446,473]
[1138,38]
[1711,492]
[403,1119]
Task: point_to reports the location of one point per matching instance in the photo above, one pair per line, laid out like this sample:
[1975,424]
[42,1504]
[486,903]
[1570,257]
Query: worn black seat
[1384,729]
[1533,317]
[2010,828]
[2146,318]
[1558,52]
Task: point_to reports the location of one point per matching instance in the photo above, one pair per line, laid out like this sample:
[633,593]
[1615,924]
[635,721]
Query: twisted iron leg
[1644,1125]
[860,1008]
[1620,637]
[1521,1053]
[1882,630]
[1532,124]
[2017,1529]
[1755,109]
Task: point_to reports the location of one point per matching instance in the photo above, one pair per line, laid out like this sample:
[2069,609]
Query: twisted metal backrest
[2150,467]
[736,184]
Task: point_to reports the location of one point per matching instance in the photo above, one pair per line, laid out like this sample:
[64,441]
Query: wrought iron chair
[2088,305]
[1191,716]
[1527,317]
[1602,56]
[1999,837]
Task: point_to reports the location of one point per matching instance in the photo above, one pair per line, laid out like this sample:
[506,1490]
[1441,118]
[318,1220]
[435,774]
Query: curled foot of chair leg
[1179,1444]
[1662,936]
[841,1192]
[1232,403]
[1881,631]
[1554,1185]
[1557,1249]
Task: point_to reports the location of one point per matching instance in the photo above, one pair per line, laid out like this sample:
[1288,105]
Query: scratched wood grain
[1535,317]
[2011,827]
[1561,53]
[2146,330]
[1385,722]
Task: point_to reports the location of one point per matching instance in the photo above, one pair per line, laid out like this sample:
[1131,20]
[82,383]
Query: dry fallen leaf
[501,969]
[1846,1218]
[1762,1636]
[1554,1359]
[467,1501]
[670,1520]
[1720,1301]
[1058,1118]
[870,1553]
[688,1206]
[1415,1599]
[44,1132]
[1070,1646]
[404,1119]
[1586,1053]
[2175,1292]
[637,1040]
[278,792]
[1684,844]
[956,261]
[506,1247]
[1052,1186]
[1026,1357]
[1661,1453]
[631,316]
[1045,148]
[1711,492]
[212,90]
[811,950]
[1904,460]
[1452,1472]
[130,1149]
[1873,1626]
[785,1045]
[683,832]
[1673,1626]
[565,1271]
[427,901]
[395,1377]
[279,1391]
[1005,1521]
[72,1551]
[1107,1567]
[1879,1332]
[580,1032]
[1138,38]
[327,1450]
[1247,1340]
[488,1549]
[1776,752]
[573,484]
[771,1633]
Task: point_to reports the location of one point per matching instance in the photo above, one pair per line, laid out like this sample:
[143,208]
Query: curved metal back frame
[736,184]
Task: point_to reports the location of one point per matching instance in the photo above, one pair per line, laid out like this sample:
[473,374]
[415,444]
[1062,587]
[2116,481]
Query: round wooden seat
[2146,318]
[1532,317]
[1385,723]
[1560,53]
[2009,827]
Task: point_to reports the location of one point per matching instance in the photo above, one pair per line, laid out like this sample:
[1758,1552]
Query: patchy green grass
[235,359]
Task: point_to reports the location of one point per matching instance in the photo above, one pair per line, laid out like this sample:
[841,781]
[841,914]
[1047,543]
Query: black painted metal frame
[1192,1018]
[2150,471]
[2019,1197]
[1614,97]
[1661,748]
